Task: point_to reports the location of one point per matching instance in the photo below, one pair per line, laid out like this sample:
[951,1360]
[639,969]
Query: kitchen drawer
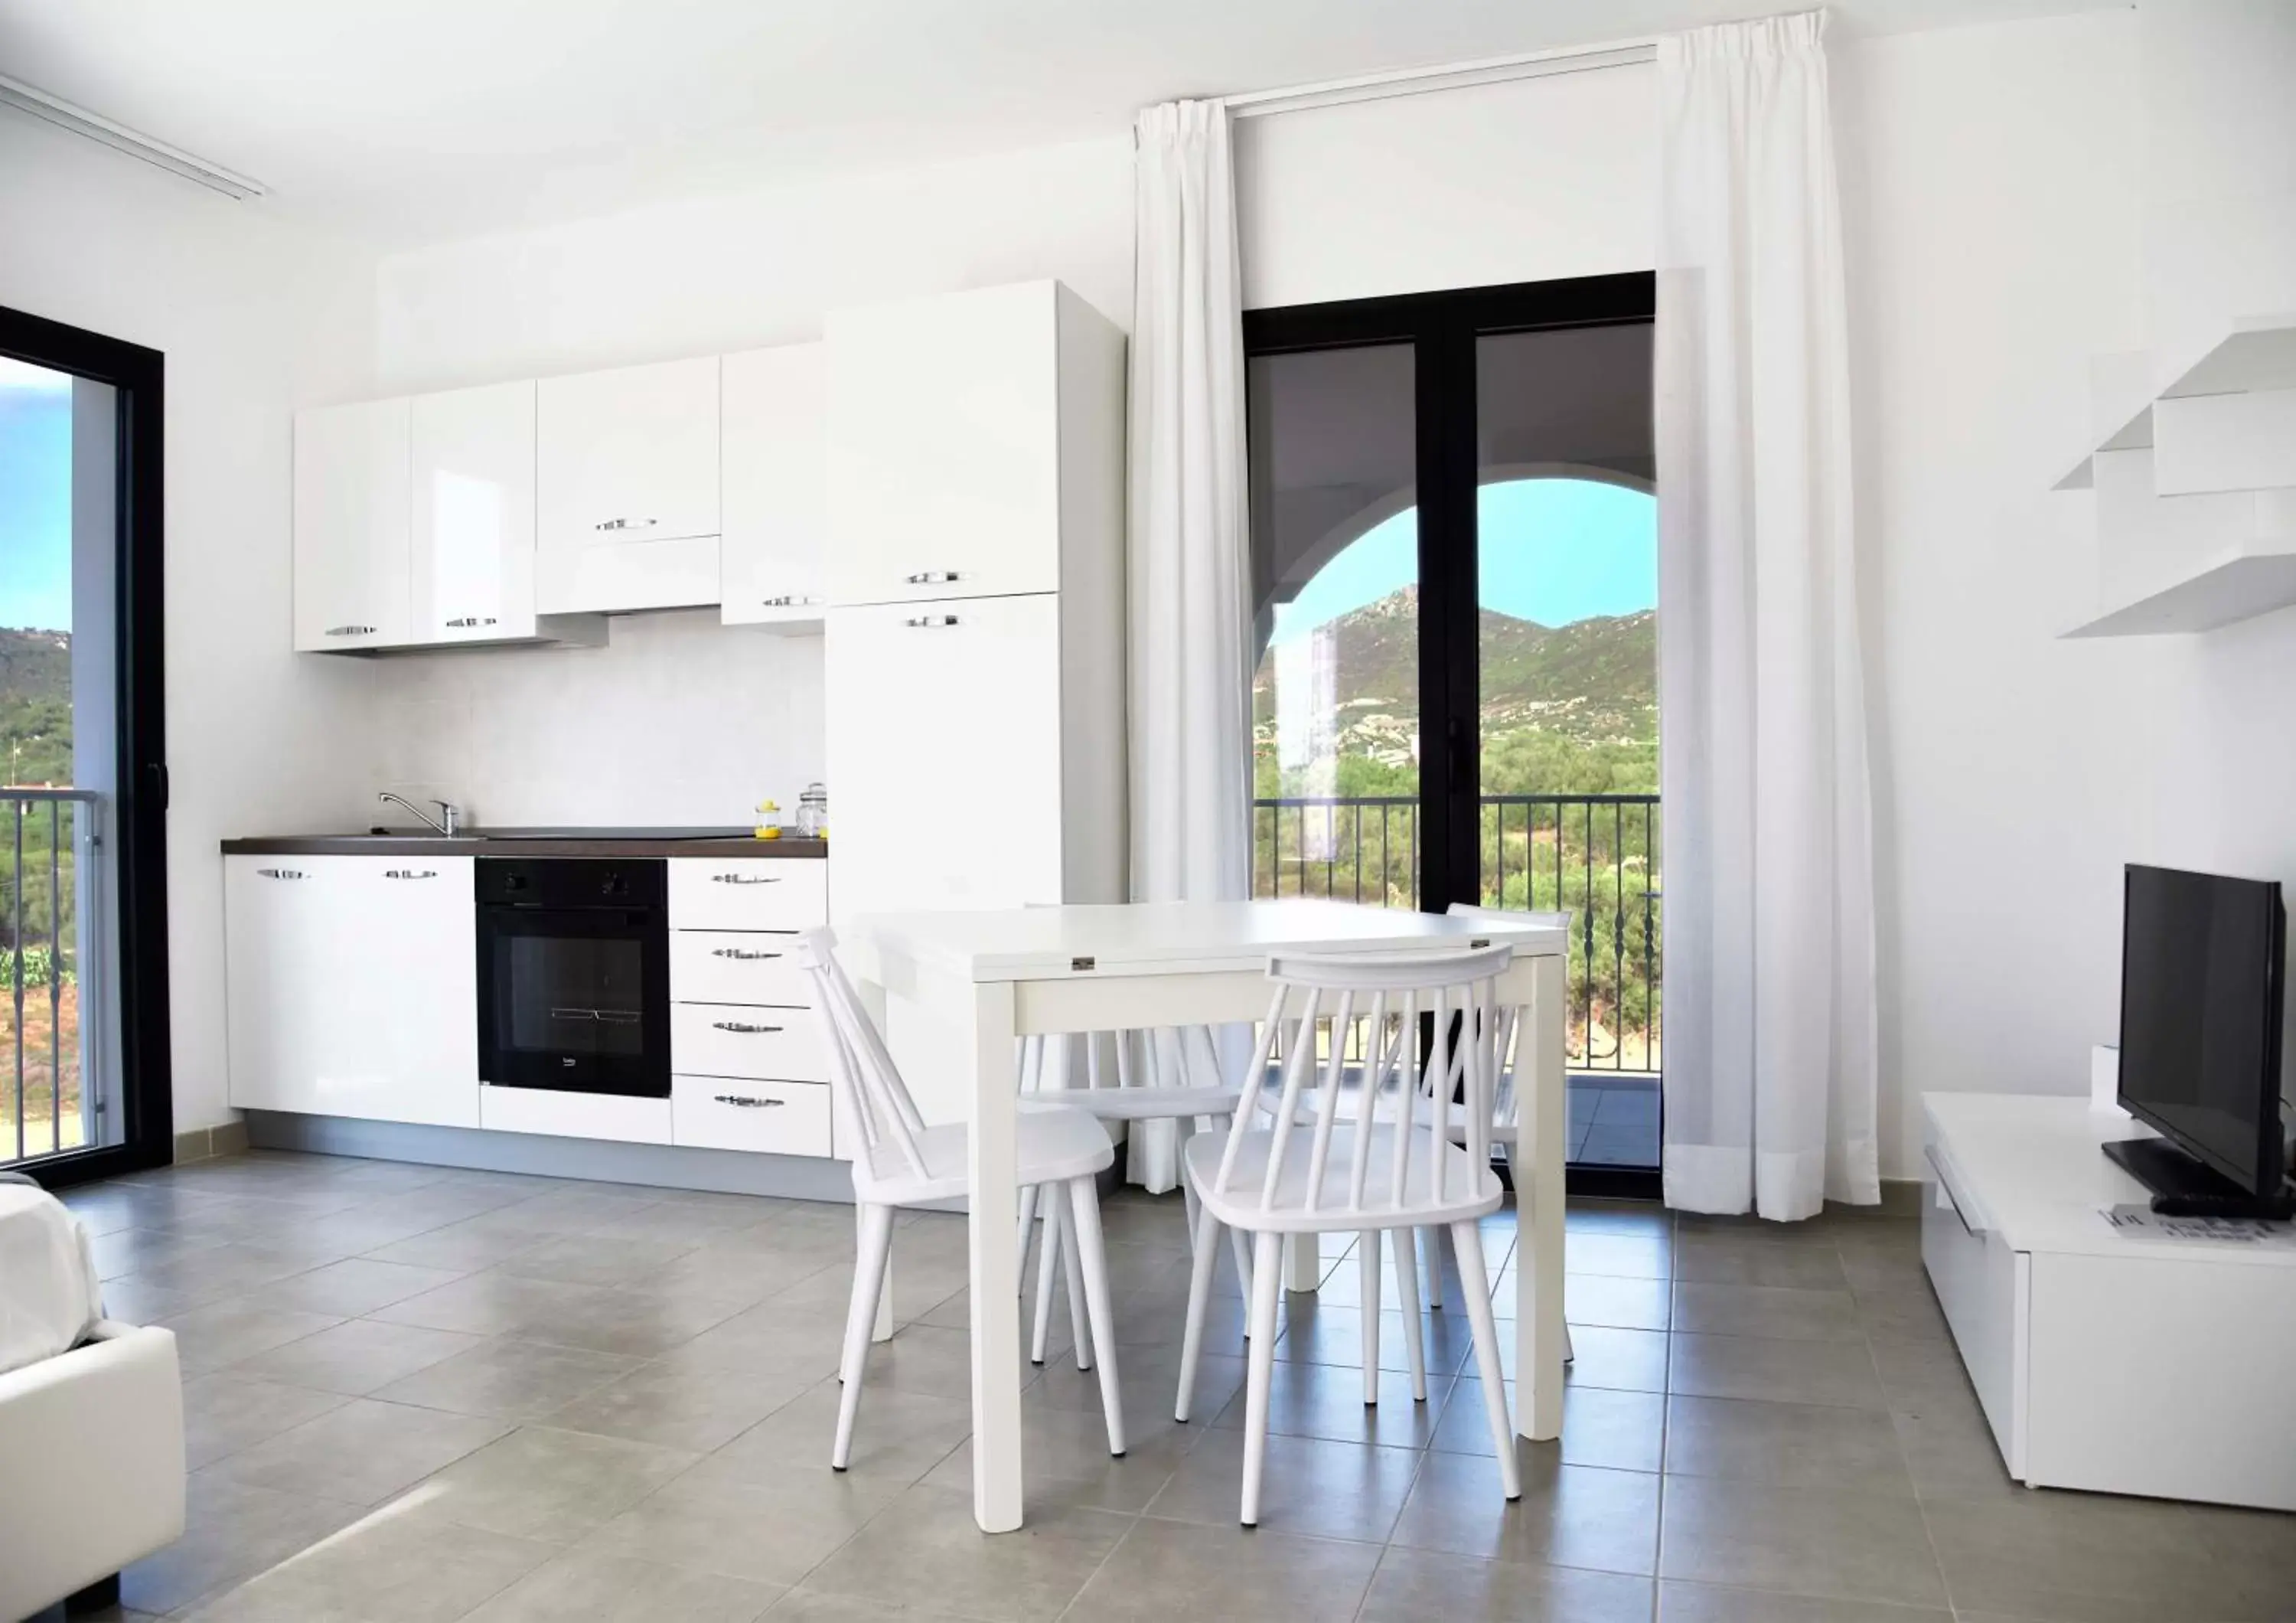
[748,893]
[734,1040]
[576,1116]
[737,967]
[1982,1285]
[777,1117]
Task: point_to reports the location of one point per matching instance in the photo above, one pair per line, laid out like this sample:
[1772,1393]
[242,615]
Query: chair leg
[1431,1247]
[875,1249]
[1183,1130]
[1048,1261]
[1243,1248]
[1028,1233]
[1091,1254]
[1079,1320]
[1475,1285]
[1266,1285]
[1407,1297]
[1367,1275]
[1200,1290]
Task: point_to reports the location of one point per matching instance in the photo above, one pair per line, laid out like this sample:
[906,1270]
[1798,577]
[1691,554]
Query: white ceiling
[413,120]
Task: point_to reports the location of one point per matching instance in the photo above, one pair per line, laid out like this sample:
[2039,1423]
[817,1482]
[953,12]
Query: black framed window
[84,1084]
[1454,549]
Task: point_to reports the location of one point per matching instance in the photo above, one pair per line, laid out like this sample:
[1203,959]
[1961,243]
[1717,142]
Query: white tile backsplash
[679,719]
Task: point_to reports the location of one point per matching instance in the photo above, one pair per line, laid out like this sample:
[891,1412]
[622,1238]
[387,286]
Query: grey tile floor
[1614,1120]
[416,1395]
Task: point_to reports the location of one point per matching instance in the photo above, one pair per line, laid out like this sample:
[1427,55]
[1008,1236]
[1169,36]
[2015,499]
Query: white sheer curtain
[1770,1045]
[1189,575]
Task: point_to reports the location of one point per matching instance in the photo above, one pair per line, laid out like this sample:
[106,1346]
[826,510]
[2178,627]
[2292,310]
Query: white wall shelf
[2195,485]
[2255,353]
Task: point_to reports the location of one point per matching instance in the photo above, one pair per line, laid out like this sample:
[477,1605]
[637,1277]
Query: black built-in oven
[574,974]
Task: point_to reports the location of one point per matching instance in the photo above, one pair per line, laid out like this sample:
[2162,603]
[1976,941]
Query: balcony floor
[1614,1120]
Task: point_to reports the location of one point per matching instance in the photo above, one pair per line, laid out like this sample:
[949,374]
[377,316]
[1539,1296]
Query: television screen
[2200,978]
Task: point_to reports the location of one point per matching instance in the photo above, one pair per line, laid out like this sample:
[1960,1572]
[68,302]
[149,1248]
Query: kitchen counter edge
[481,845]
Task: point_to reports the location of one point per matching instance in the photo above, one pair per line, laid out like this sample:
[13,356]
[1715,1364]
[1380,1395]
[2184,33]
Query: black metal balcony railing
[1593,855]
[44,1108]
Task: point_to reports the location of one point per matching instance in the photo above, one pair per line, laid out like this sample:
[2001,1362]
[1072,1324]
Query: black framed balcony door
[1454,550]
[85,1082]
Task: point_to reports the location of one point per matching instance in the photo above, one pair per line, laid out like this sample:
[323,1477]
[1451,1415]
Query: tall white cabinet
[975,661]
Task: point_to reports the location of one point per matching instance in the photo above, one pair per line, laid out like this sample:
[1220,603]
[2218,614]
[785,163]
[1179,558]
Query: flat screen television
[2202,981]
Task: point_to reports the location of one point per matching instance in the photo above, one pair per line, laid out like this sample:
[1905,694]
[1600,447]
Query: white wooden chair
[1323,1175]
[1047,1076]
[899,1161]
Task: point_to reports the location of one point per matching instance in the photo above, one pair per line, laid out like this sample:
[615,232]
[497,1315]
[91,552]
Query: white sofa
[91,1465]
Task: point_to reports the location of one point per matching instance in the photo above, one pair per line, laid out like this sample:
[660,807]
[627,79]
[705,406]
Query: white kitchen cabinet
[965,433]
[772,454]
[625,483]
[352,987]
[473,521]
[352,526]
[945,746]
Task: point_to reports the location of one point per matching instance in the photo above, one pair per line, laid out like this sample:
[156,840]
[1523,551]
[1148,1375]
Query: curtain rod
[1454,76]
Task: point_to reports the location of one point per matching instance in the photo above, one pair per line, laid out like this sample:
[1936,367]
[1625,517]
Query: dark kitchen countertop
[531,843]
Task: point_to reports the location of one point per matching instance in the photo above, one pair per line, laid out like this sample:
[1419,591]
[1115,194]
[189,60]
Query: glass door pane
[1335,574]
[1566,581]
[57,760]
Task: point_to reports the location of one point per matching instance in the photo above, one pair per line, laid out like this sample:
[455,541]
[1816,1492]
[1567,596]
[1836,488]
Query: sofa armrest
[91,1464]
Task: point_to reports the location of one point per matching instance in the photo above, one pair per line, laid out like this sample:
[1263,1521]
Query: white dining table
[988,977]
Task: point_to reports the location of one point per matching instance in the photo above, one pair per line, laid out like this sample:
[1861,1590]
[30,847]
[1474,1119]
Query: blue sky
[1552,550]
[35,497]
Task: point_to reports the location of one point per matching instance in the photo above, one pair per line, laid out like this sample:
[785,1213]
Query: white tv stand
[2120,1365]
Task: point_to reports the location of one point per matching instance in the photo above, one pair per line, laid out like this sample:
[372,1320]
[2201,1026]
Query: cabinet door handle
[934,577]
[741,1029]
[628,524]
[929,623]
[740,954]
[470,621]
[282,873]
[410,873]
[348,630]
[749,1102]
[747,878]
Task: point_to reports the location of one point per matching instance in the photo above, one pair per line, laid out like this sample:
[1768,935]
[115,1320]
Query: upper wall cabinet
[351,526]
[773,446]
[474,492]
[627,489]
[944,446]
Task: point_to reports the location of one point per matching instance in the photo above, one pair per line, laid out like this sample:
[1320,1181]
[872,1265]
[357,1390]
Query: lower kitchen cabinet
[352,987]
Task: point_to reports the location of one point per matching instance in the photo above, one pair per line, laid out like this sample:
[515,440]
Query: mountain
[36,745]
[1594,680]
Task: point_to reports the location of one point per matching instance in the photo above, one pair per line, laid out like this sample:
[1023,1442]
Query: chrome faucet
[448,822]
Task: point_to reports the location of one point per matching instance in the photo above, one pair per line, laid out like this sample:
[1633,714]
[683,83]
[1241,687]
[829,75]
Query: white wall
[254,320]
[1524,182]
[679,720]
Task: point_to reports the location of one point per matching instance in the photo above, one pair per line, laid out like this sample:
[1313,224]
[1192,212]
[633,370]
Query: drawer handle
[740,954]
[747,878]
[741,1029]
[790,600]
[469,622]
[410,873]
[348,630]
[749,1102]
[282,873]
[934,577]
[629,524]
[929,623]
